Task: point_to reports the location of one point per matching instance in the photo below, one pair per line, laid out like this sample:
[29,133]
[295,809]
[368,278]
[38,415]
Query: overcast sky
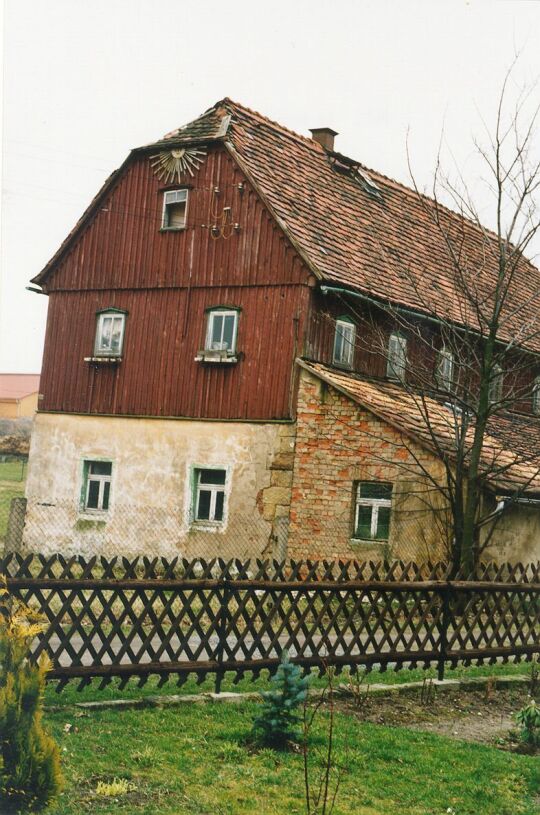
[86,81]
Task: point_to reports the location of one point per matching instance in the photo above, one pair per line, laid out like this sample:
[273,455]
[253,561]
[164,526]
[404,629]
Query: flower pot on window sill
[103,360]
[216,357]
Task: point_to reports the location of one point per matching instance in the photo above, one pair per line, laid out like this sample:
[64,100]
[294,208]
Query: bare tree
[476,344]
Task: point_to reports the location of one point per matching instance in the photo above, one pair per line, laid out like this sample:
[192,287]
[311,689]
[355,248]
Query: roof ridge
[275,125]
[410,190]
[309,142]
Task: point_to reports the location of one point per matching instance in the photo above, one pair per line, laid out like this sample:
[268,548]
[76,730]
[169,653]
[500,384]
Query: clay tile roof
[511,451]
[17,386]
[379,240]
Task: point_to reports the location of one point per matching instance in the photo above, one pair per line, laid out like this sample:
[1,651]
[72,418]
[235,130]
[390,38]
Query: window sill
[365,542]
[93,515]
[172,229]
[216,357]
[103,360]
[344,366]
[207,526]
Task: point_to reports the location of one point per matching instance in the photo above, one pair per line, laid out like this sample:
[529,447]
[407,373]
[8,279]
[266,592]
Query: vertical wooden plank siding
[165,281]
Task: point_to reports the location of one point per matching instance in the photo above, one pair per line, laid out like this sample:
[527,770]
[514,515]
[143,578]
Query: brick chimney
[324,135]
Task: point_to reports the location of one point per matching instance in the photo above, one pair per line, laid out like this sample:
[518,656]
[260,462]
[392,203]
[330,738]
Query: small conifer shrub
[30,776]
[278,720]
[529,720]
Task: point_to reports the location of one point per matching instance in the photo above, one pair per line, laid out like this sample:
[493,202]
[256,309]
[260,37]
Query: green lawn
[11,486]
[195,760]
[12,471]
[91,693]
[7,492]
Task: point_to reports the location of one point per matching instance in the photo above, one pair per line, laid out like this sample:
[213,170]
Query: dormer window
[344,343]
[396,362]
[174,209]
[110,333]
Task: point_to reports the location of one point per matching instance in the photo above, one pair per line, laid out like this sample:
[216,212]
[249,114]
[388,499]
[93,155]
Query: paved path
[176,649]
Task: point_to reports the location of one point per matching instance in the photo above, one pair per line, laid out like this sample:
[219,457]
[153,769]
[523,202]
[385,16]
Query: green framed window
[97,477]
[209,496]
[373,506]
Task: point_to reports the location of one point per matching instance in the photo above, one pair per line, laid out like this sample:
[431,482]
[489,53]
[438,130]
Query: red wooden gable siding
[122,247]
[166,281]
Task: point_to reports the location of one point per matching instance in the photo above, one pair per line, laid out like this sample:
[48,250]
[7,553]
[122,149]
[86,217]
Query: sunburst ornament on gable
[170,165]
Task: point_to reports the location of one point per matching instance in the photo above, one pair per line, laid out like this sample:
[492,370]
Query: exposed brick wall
[337,444]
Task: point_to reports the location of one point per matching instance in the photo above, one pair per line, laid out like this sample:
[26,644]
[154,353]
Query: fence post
[222,632]
[445,592]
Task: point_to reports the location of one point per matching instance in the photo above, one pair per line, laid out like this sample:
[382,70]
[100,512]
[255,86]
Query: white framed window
[221,330]
[396,363]
[445,369]
[174,209]
[97,478]
[344,339]
[496,384]
[110,333]
[372,510]
[536,396]
[209,497]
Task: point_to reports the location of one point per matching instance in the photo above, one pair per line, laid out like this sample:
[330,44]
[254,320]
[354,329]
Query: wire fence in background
[129,530]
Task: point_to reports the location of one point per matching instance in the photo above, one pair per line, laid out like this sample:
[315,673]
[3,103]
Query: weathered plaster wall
[516,536]
[151,491]
[338,444]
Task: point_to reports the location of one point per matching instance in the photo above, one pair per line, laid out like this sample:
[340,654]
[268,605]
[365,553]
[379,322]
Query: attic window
[174,209]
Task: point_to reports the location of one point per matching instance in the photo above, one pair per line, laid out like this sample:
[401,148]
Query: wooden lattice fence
[142,617]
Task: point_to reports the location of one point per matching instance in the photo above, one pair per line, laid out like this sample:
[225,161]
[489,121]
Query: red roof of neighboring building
[17,386]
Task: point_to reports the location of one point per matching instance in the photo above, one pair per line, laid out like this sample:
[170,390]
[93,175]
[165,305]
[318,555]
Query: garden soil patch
[483,716]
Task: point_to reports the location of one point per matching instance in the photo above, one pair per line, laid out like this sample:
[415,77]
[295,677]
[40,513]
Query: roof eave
[495,486]
[40,278]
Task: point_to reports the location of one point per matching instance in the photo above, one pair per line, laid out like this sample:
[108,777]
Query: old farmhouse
[241,327]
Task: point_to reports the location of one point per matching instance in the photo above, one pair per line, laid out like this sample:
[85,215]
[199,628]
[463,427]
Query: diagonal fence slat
[146,616]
